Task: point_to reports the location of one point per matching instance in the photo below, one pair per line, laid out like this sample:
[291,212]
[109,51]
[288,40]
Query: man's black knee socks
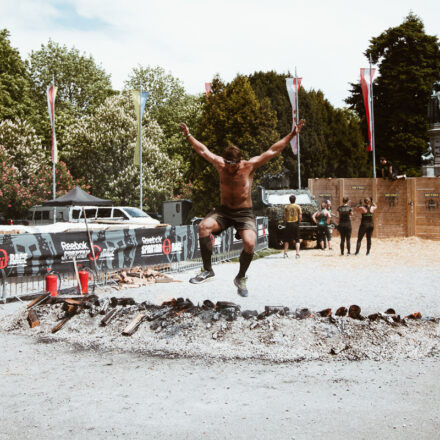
[206,251]
[245,261]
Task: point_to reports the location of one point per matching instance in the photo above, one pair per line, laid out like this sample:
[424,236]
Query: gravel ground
[400,273]
[275,380]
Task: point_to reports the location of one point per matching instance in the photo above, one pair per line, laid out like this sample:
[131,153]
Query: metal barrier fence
[18,287]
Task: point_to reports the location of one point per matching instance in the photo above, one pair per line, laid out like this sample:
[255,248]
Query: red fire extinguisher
[52,284]
[84,281]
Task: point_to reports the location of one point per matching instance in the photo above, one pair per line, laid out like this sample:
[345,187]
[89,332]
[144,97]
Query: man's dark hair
[345,200]
[232,153]
[292,199]
[382,158]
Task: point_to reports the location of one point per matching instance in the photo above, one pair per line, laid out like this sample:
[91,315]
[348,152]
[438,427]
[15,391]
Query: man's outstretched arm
[199,148]
[277,147]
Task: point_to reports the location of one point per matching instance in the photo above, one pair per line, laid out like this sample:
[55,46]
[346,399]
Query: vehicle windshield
[136,212]
[283,199]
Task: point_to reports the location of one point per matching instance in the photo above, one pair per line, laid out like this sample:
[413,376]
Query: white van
[44,215]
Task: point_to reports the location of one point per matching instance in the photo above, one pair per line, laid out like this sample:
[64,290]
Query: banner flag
[208,88]
[139,100]
[51,94]
[293,85]
[366,84]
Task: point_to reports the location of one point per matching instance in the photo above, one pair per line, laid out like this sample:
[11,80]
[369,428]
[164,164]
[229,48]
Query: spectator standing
[345,213]
[322,219]
[367,225]
[292,218]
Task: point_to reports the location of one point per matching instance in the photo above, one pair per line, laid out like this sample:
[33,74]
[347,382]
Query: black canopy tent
[78,197]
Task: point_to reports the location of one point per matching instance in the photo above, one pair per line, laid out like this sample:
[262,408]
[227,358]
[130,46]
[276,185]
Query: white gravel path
[318,280]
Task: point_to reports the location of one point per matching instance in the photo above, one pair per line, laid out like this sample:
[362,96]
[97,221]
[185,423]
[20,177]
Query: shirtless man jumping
[236,204]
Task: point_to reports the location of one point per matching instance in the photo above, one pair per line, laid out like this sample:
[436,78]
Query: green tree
[26,176]
[409,64]
[14,82]
[331,143]
[232,114]
[82,85]
[23,148]
[168,104]
[100,147]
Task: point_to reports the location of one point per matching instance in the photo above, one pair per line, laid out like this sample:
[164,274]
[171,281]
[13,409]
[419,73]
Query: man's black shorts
[239,218]
[291,232]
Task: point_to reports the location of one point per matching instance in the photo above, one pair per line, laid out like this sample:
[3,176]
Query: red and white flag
[208,88]
[367,76]
[51,94]
[293,85]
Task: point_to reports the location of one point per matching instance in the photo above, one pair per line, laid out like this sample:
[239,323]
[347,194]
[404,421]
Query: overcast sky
[196,39]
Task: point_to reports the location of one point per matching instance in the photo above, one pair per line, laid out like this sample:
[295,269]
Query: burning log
[159,314]
[354,312]
[208,304]
[126,302]
[33,318]
[247,314]
[303,313]
[60,324]
[415,315]
[134,324]
[38,301]
[342,311]
[226,305]
[270,310]
[229,313]
[325,312]
[110,315]
[72,301]
[71,310]
[262,315]
[374,316]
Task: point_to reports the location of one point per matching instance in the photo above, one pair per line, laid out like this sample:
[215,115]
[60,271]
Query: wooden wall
[405,208]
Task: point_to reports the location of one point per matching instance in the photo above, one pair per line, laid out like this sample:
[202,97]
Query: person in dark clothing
[387,170]
[322,219]
[345,212]
[367,226]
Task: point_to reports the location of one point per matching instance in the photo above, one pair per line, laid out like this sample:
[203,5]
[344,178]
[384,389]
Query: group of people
[322,218]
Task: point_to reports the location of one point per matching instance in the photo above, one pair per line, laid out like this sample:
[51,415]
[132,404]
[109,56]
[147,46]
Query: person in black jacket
[345,213]
[367,225]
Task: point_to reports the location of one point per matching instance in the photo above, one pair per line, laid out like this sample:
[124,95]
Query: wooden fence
[405,208]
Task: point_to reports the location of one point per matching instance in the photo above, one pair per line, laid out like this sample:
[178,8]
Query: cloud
[196,39]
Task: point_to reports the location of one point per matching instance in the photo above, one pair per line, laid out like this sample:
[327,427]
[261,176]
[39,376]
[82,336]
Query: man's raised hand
[299,126]
[184,128]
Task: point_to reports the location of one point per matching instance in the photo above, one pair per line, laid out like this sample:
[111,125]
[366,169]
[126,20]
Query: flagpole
[54,190]
[373,141]
[140,143]
[297,136]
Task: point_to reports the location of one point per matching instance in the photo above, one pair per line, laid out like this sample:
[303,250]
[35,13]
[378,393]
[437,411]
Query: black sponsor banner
[35,254]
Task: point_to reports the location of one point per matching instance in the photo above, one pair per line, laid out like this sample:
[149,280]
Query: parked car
[42,215]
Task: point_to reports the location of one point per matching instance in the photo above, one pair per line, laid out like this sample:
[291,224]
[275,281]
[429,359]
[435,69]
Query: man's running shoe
[297,256]
[241,286]
[204,275]
[285,255]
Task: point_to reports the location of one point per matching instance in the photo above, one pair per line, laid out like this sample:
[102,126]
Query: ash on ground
[179,328]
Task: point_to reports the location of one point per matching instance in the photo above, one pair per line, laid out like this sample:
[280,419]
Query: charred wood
[134,324]
[33,319]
